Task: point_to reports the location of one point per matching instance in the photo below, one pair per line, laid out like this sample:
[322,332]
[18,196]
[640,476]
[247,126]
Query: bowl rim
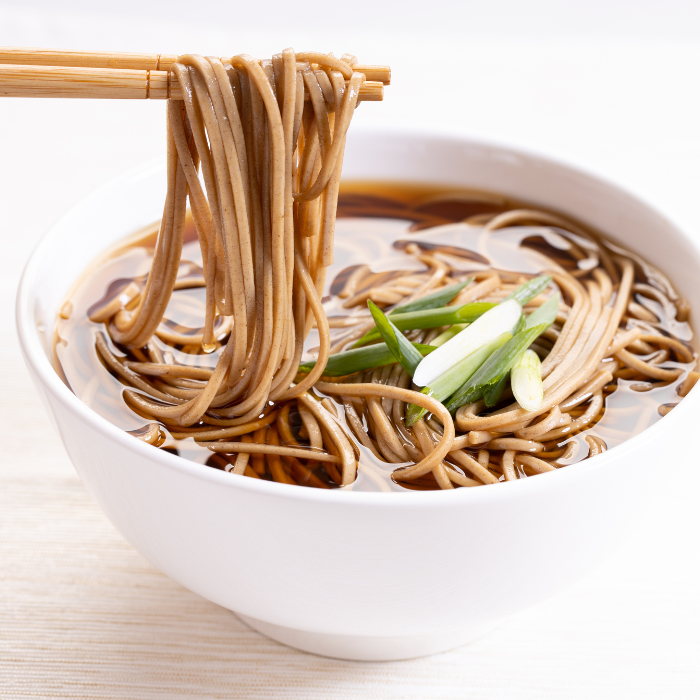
[37,360]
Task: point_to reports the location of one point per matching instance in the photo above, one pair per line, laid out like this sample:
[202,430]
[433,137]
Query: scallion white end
[501,319]
[526,381]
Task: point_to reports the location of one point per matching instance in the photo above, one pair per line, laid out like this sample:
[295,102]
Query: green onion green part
[493,395]
[396,341]
[528,291]
[435,300]
[352,361]
[430,318]
[545,313]
[450,333]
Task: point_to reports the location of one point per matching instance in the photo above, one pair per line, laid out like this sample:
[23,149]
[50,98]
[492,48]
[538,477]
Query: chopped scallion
[446,384]
[491,372]
[396,341]
[528,291]
[430,318]
[498,320]
[526,381]
[451,332]
[545,313]
[493,395]
[360,359]
[435,300]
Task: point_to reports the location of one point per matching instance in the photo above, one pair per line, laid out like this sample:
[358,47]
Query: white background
[613,86]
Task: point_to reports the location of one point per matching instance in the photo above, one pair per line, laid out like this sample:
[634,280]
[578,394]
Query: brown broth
[375,223]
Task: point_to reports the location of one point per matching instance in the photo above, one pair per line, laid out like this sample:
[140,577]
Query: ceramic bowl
[345,574]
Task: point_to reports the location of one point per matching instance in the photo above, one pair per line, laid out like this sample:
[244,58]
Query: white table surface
[83,615]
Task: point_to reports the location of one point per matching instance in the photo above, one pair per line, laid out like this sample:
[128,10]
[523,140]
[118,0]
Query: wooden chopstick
[98,83]
[26,72]
[110,83]
[130,61]
[82,59]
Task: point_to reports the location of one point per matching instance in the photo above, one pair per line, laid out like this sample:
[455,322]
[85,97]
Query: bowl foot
[357,648]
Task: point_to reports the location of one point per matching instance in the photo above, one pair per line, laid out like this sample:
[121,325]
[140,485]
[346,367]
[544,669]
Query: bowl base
[357,648]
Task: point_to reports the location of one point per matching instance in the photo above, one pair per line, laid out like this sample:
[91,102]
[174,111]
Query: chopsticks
[133,61]
[30,72]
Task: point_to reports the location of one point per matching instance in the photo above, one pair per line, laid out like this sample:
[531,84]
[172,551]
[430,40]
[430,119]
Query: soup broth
[391,238]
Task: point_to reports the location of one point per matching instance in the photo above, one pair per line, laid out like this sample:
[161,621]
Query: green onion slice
[492,371]
[435,300]
[396,341]
[493,395]
[528,291]
[526,381]
[430,318]
[545,313]
[498,320]
[451,332]
[446,384]
[360,359]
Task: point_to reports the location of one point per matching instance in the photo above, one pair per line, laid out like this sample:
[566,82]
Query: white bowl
[358,575]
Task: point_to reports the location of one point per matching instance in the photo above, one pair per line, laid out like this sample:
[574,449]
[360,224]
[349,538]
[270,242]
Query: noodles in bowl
[596,400]
[502,340]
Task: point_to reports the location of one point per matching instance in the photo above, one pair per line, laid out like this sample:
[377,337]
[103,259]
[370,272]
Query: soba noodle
[265,243]
[264,213]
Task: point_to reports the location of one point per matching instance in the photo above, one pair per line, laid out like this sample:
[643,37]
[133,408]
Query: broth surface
[376,225]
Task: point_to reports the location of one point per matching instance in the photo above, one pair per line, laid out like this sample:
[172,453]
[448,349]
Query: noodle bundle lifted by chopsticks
[265,219]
